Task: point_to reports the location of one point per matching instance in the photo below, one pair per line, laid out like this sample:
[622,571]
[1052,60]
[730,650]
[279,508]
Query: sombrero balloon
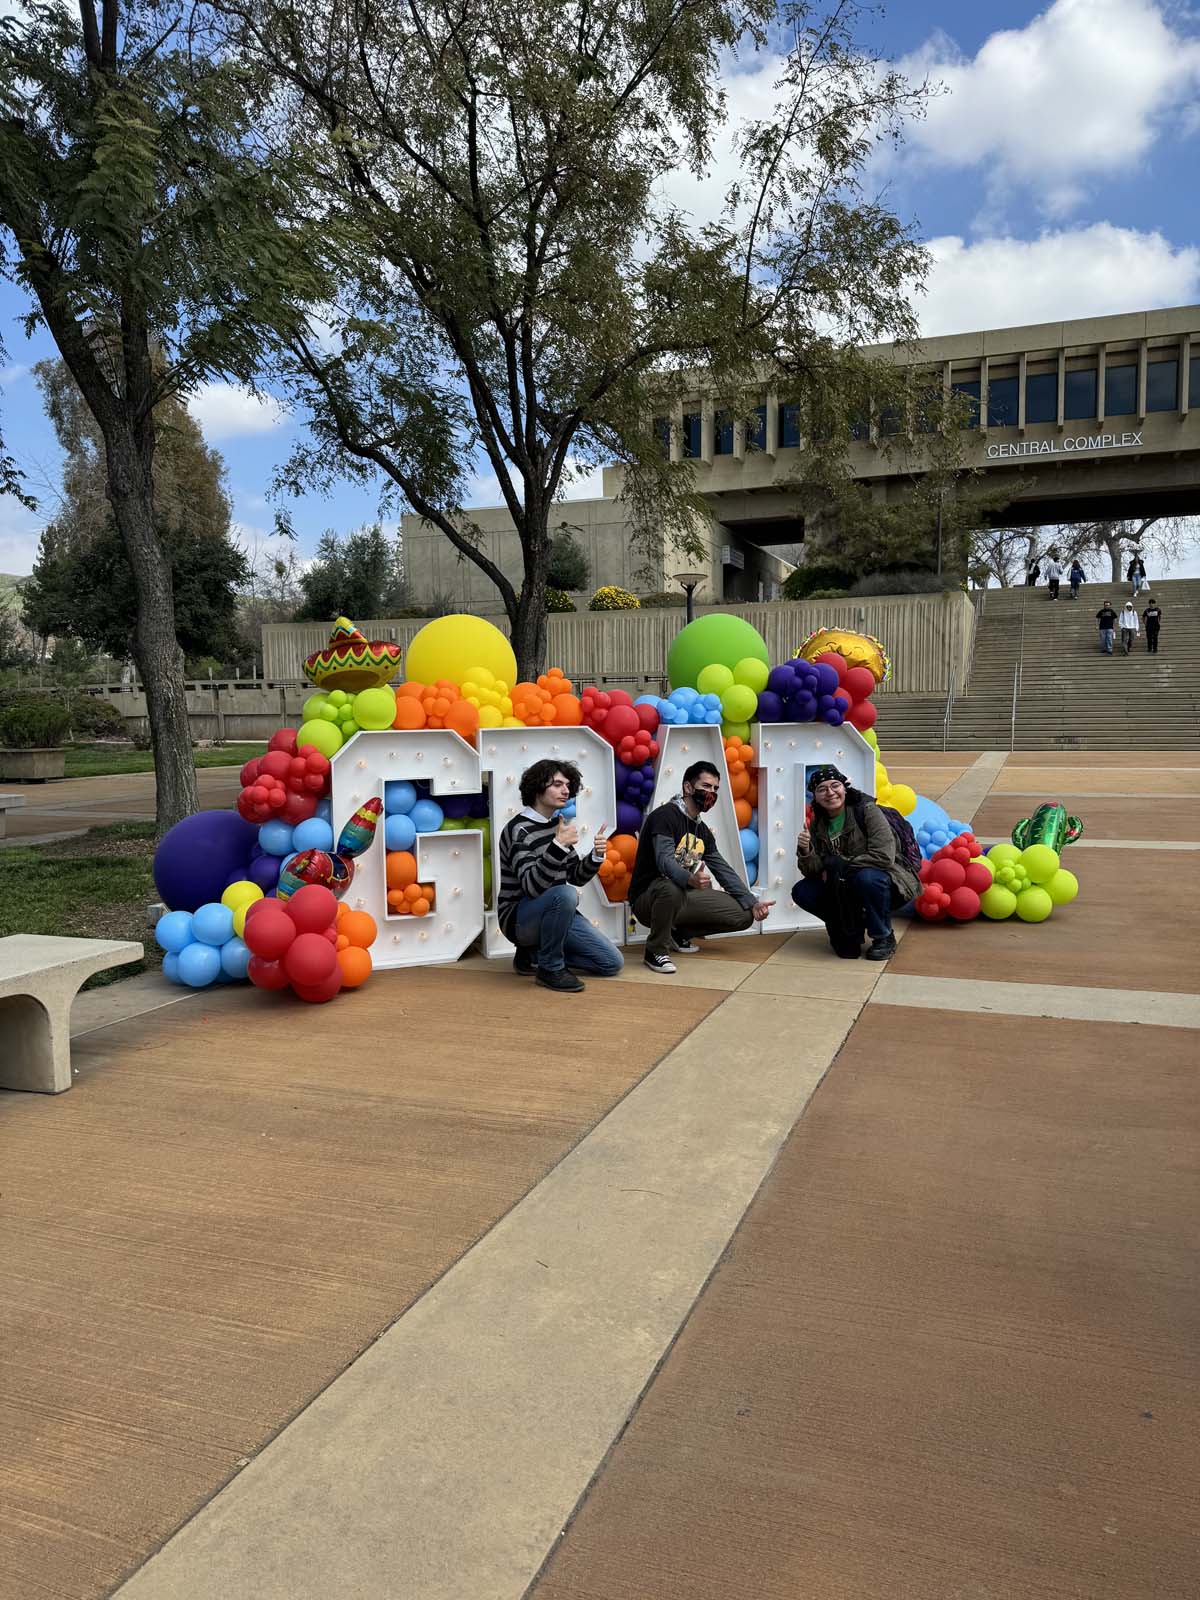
[351,661]
[855,649]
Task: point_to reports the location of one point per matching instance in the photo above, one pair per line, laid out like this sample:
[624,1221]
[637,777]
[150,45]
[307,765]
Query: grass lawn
[97,887]
[98,760]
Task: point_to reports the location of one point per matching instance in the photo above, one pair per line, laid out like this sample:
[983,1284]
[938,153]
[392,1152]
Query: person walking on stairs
[1152,617]
[1129,625]
[1053,574]
[1032,573]
[1106,618]
[1136,573]
[1076,575]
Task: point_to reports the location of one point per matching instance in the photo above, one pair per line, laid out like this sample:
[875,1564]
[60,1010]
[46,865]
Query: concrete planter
[32,766]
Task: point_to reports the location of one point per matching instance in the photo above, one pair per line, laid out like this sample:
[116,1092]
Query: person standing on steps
[1152,617]
[1137,573]
[1129,625]
[1032,573]
[671,890]
[1053,573]
[1106,617]
[1077,576]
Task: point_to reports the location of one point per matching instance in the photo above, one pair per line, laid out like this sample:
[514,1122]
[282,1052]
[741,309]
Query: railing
[1012,735]
[949,712]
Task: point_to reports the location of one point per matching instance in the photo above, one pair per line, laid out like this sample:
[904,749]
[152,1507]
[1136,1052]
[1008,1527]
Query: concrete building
[1096,418]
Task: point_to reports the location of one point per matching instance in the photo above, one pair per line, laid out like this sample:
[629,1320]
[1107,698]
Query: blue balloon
[399,796]
[173,931]
[713,717]
[324,810]
[754,819]
[697,713]
[276,838]
[399,832]
[712,701]
[684,696]
[235,958]
[212,924]
[749,838]
[199,965]
[171,966]
[568,811]
[427,816]
[646,700]
[314,834]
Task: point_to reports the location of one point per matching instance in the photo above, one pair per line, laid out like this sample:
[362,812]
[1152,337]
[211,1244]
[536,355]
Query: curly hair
[537,778]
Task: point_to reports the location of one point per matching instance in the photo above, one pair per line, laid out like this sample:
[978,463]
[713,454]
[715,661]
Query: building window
[1079,395]
[756,429]
[789,425]
[723,436]
[929,402]
[1194,381]
[1120,391]
[1003,395]
[971,390]
[691,434]
[662,432]
[891,421]
[860,429]
[1041,397]
[1162,385]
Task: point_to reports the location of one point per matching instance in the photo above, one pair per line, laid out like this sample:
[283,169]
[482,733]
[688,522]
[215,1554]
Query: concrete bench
[8,802]
[39,978]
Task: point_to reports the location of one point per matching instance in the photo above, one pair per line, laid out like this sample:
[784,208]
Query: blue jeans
[871,888]
[1106,640]
[1138,581]
[553,924]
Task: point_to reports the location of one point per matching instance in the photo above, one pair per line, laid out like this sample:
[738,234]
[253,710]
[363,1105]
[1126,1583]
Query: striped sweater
[532,862]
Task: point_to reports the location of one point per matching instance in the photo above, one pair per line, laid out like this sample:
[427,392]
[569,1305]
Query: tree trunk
[1113,546]
[155,647]
[528,621]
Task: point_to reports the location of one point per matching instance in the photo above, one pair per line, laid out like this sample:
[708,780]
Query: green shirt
[836,824]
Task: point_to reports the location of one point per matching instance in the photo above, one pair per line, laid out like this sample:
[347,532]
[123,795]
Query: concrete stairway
[1071,697]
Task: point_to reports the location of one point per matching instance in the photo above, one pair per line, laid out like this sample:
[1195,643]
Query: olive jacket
[872,845]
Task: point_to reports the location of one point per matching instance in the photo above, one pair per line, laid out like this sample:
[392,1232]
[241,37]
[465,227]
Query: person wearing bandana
[853,877]
[677,859]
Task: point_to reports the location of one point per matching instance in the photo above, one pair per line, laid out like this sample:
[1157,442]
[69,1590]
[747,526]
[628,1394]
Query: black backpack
[907,848]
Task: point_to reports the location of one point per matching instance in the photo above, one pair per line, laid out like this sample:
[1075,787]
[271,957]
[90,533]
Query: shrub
[905,582]
[612,598]
[558,600]
[568,565]
[662,600]
[33,724]
[828,594]
[813,575]
[93,718]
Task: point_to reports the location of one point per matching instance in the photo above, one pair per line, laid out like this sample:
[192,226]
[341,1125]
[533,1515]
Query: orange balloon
[420,908]
[463,719]
[752,794]
[739,783]
[342,942]
[410,713]
[359,928]
[412,891]
[568,713]
[626,847]
[401,869]
[742,810]
[356,966]
[411,689]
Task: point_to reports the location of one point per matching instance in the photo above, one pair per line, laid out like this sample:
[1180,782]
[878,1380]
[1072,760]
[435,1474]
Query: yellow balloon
[903,798]
[881,777]
[239,917]
[489,717]
[513,722]
[241,893]
[483,676]
[457,646]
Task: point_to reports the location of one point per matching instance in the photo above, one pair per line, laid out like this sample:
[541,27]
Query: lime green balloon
[454,824]
[339,697]
[1062,887]
[714,679]
[1002,854]
[328,713]
[323,736]
[738,704]
[982,861]
[315,706]
[736,730]
[1034,904]
[1040,862]
[375,708]
[997,902]
[752,672]
[716,637]
[872,739]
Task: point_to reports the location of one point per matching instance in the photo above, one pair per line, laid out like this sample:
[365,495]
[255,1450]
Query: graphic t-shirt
[1152,616]
[1106,617]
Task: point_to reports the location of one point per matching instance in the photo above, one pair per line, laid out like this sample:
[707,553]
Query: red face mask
[705,799]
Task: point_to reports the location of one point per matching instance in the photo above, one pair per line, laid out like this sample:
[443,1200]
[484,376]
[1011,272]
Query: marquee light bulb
[766,744]
[457,891]
[491,749]
[456,854]
[817,744]
[356,797]
[791,744]
[361,765]
[420,755]
[685,748]
[779,852]
[424,936]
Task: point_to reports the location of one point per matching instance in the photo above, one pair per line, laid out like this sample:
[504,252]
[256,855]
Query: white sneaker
[659,963]
[684,947]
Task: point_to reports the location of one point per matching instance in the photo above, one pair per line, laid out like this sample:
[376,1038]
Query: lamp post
[690,582]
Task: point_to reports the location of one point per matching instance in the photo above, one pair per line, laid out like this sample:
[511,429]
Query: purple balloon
[782,680]
[457,805]
[622,775]
[197,858]
[827,677]
[629,818]
[770,707]
[833,717]
[264,871]
[478,805]
[801,708]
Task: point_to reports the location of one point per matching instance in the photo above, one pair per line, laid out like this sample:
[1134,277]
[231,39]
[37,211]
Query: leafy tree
[359,577]
[158,246]
[568,568]
[1161,541]
[514,280]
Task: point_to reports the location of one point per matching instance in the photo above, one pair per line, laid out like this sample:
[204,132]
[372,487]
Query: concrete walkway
[917,1325]
[59,810]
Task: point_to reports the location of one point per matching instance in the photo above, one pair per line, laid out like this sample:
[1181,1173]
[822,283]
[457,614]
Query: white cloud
[1083,90]
[11,375]
[19,533]
[226,411]
[1067,273]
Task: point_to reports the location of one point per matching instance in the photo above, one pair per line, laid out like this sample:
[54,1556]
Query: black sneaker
[881,949]
[683,946]
[659,963]
[560,979]
[523,963]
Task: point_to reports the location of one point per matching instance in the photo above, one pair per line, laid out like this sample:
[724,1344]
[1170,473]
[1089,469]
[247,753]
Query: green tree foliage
[516,282]
[359,576]
[158,246]
[568,568]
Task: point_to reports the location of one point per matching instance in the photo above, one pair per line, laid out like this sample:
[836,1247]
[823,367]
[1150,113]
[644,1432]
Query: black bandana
[823,775]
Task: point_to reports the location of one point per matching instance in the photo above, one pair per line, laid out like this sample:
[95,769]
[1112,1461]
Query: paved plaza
[783,1279]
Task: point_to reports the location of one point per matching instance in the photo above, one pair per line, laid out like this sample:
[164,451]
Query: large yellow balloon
[448,646]
[904,799]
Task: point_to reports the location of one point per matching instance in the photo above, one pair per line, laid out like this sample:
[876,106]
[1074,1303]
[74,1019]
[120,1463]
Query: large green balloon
[1040,862]
[1003,854]
[375,708]
[714,679]
[1062,887]
[716,637]
[997,902]
[323,736]
[753,673]
[1034,904]
[738,703]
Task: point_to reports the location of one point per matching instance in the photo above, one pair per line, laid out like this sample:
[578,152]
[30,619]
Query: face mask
[705,799]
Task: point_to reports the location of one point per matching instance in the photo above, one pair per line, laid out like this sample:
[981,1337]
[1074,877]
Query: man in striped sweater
[541,874]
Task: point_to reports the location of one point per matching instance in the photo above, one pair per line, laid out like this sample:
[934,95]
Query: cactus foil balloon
[1049,825]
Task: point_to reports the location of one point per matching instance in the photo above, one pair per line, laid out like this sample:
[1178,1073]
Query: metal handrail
[1012,736]
[949,712]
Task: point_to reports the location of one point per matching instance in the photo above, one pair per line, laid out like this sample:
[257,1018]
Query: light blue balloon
[171,967]
[235,958]
[324,810]
[399,796]
[427,816]
[199,965]
[399,832]
[275,837]
[646,700]
[712,701]
[684,696]
[714,717]
[749,838]
[315,834]
[173,931]
[212,924]
[697,713]
[568,811]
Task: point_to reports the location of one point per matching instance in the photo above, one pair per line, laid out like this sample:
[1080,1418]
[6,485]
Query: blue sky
[1058,175]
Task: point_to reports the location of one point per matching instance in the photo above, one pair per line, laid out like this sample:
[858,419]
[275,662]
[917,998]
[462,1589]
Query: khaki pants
[665,908]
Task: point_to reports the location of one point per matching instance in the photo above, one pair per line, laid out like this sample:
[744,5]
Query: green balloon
[339,697]
[315,706]
[752,672]
[715,638]
[736,730]
[1062,887]
[738,704]
[1040,862]
[328,713]
[1034,904]
[323,736]
[997,902]
[375,708]
[715,679]
[1003,854]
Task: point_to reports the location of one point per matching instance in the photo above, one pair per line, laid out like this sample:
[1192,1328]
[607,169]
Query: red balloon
[270,933]
[843,699]
[312,908]
[964,904]
[949,874]
[249,772]
[930,910]
[860,681]
[317,993]
[648,718]
[832,659]
[276,764]
[620,723]
[299,807]
[266,974]
[862,715]
[923,872]
[620,697]
[284,740]
[978,877]
[310,959]
[960,854]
